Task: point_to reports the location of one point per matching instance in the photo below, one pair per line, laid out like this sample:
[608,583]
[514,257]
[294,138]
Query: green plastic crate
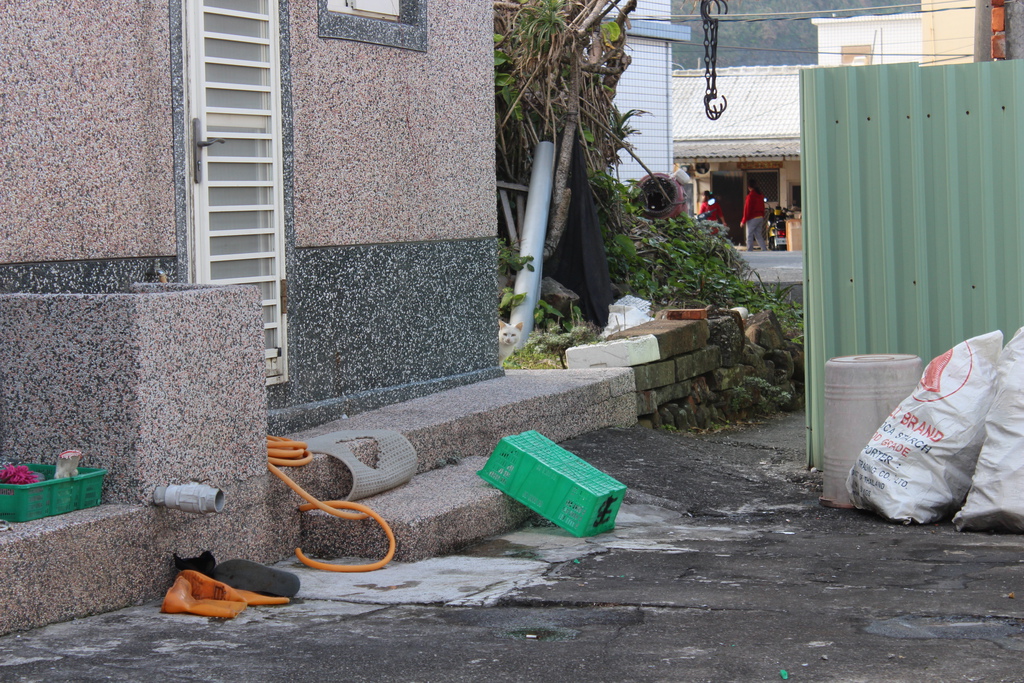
[555,483]
[25,502]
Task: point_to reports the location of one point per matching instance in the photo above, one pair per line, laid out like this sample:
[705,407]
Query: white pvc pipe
[535,225]
[194,498]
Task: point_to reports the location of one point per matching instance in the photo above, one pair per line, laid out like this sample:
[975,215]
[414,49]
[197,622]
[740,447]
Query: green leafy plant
[776,298]
[544,314]
[740,398]
[547,345]
[509,300]
[681,261]
[544,311]
[766,396]
[510,262]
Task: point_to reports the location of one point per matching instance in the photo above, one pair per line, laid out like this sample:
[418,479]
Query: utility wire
[816,52]
[803,16]
[820,14]
[914,8]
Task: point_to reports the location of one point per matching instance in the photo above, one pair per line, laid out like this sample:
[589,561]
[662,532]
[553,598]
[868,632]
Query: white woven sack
[918,465]
[995,500]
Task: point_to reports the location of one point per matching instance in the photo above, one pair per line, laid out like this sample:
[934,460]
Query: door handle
[200,144]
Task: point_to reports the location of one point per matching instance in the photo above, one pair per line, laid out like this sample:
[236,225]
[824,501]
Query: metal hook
[705,9]
[711,55]
[713,111]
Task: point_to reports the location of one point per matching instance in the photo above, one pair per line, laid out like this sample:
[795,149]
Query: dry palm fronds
[557,66]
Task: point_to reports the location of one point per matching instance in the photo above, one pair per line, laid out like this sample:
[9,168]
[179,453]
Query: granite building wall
[389,199]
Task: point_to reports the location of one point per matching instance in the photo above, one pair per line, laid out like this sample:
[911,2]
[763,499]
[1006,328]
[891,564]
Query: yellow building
[947,31]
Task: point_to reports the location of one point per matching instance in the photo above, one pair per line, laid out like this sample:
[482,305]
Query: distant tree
[781,40]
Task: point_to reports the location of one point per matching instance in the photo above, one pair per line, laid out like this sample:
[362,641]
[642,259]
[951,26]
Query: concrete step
[450,425]
[47,559]
[447,506]
[470,420]
[434,514]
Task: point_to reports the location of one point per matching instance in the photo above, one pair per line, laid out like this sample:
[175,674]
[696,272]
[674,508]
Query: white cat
[508,337]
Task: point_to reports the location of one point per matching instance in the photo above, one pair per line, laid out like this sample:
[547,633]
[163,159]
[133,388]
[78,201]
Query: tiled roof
[762,117]
[736,149]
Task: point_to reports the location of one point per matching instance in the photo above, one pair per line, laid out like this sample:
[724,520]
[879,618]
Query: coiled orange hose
[283,452]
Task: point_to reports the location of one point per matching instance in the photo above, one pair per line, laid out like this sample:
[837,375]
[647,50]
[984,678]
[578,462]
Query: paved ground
[723,567]
[778,267]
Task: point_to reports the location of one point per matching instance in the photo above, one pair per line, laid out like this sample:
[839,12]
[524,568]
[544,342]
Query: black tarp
[580,262]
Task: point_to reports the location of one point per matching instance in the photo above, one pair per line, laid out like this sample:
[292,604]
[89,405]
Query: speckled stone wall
[378,324]
[392,144]
[162,387]
[389,185]
[103,276]
[85,131]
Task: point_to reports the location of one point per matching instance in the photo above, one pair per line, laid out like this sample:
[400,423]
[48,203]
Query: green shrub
[679,262]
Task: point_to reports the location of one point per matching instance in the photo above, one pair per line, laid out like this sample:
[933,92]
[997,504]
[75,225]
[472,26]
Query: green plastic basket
[555,483]
[25,502]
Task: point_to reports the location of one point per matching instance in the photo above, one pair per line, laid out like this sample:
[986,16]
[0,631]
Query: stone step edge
[436,513]
[582,401]
[327,477]
[38,528]
[514,388]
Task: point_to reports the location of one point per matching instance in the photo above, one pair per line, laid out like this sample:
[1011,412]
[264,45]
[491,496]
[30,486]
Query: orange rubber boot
[196,593]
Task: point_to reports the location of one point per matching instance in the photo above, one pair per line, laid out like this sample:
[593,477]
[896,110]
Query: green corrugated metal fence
[912,212]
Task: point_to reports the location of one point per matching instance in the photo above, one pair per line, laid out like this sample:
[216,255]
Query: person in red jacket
[713,211]
[753,216]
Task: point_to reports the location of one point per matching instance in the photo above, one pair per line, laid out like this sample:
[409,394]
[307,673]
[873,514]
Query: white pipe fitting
[195,498]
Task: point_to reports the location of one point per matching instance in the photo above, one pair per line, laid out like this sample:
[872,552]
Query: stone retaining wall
[695,373]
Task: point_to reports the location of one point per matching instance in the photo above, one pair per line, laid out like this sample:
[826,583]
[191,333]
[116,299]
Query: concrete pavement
[722,567]
[784,268]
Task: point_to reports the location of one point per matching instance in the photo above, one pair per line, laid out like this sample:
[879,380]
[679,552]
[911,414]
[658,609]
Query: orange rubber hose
[287,453]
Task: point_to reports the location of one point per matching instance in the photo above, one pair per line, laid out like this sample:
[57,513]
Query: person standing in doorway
[753,216]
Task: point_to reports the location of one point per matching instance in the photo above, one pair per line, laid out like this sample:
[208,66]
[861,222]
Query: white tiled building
[859,41]
[646,86]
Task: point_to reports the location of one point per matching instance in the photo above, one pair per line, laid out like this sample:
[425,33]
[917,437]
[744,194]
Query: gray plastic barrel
[860,392]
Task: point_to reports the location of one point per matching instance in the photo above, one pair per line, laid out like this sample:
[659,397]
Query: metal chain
[711,55]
